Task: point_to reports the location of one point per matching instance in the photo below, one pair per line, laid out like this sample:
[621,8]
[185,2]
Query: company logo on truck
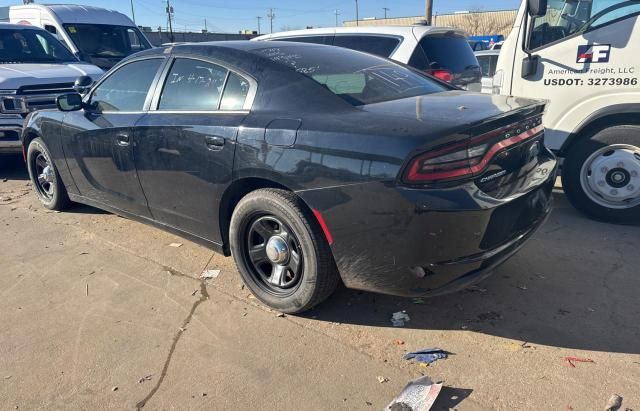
[594,53]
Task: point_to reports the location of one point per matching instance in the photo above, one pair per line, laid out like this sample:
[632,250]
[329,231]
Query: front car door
[185,145]
[98,140]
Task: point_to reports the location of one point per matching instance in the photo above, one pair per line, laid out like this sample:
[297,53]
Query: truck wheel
[281,252]
[45,178]
[601,175]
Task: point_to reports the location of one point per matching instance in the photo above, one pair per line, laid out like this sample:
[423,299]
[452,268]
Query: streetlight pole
[271,16]
[133,13]
[429,11]
[337,13]
[357,14]
[386,9]
[259,18]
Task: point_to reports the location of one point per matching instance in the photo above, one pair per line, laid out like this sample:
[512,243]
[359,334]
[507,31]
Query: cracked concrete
[149,326]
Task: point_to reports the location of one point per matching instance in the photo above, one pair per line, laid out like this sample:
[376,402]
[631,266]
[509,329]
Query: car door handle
[214,142]
[123,139]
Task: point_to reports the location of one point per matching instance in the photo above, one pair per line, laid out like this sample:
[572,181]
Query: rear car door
[98,140]
[185,145]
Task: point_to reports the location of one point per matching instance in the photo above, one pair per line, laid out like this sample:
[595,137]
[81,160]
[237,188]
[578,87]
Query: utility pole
[259,18]
[133,13]
[386,9]
[337,13]
[205,25]
[357,15]
[429,12]
[169,14]
[271,16]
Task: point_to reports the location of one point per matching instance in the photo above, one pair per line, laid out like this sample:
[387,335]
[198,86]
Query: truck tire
[281,251]
[601,175]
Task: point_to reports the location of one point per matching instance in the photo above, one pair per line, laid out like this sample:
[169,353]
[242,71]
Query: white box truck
[583,56]
[96,35]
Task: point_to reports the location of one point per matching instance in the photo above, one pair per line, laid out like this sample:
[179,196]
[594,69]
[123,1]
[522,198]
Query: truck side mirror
[530,66]
[82,84]
[537,8]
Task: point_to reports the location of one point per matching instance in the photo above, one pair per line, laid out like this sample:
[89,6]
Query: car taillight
[444,75]
[463,160]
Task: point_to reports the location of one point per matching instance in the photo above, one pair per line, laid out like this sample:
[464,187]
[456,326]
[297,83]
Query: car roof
[405,31]
[79,14]
[487,52]
[14,26]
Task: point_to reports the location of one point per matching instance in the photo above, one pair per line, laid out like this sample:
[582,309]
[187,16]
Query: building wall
[157,38]
[475,23]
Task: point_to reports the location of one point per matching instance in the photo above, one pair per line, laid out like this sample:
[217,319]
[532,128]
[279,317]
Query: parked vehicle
[34,69]
[307,163]
[96,35]
[583,57]
[442,52]
[488,60]
[478,45]
[481,43]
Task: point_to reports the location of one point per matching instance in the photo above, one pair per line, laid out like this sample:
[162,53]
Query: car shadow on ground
[574,285]
[12,167]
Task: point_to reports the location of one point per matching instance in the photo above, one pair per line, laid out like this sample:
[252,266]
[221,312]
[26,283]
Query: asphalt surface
[99,312]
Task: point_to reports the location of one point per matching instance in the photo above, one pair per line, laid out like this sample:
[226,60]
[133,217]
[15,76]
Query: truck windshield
[32,46]
[103,40]
[356,77]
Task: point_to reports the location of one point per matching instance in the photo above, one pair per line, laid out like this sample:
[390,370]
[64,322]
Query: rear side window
[452,53]
[127,88]
[307,39]
[235,93]
[193,85]
[377,45]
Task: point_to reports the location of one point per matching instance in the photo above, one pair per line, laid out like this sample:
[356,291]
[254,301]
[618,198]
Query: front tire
[601,175]
[281,252]
[45,178]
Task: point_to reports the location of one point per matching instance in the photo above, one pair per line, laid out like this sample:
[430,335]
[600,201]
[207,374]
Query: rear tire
[601,175]
[281,252]
[45,178]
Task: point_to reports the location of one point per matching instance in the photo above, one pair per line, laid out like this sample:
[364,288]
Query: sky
[232,16]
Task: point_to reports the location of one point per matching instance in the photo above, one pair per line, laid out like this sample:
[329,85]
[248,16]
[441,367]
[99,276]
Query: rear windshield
[356,77]
[445,52]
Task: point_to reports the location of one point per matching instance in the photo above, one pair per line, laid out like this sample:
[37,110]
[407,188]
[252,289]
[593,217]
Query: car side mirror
[82,84]
[69,102]
[537,8]
[530,66]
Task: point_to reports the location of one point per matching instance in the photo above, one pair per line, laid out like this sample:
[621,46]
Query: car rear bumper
[10,129]
[411,242]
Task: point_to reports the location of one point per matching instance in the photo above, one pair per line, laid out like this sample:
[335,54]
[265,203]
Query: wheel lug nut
[601,183]
[614,192]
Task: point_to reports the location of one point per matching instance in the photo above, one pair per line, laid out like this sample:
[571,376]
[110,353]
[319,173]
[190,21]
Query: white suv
[442,52]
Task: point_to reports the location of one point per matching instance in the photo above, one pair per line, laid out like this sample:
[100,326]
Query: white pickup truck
[583,57]
[34,69]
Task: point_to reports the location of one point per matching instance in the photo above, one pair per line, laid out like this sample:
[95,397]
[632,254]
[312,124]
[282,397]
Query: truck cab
[95,35]
[582,56]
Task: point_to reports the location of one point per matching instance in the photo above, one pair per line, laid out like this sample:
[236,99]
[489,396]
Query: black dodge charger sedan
[310,164]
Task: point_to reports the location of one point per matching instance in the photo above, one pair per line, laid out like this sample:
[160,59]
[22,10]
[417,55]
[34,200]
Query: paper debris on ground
[427,355]
[209,274]
[175,245]
[418,395]
[382,379]
[400,318]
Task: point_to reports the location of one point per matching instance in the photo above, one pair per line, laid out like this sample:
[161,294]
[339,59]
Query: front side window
[355,77]
[565,18]
[194,85]
[127,88]
[378,45]
[107,41]
[32,46]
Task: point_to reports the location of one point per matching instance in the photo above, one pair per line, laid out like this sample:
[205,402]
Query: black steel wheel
[281,252]
[44,176]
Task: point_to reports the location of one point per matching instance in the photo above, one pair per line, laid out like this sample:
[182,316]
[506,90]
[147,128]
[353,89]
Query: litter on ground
[382,379]
[175,245]
[400,318]
[427,355]
[614,403]
[209,274]
[572,360]
[418,395]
